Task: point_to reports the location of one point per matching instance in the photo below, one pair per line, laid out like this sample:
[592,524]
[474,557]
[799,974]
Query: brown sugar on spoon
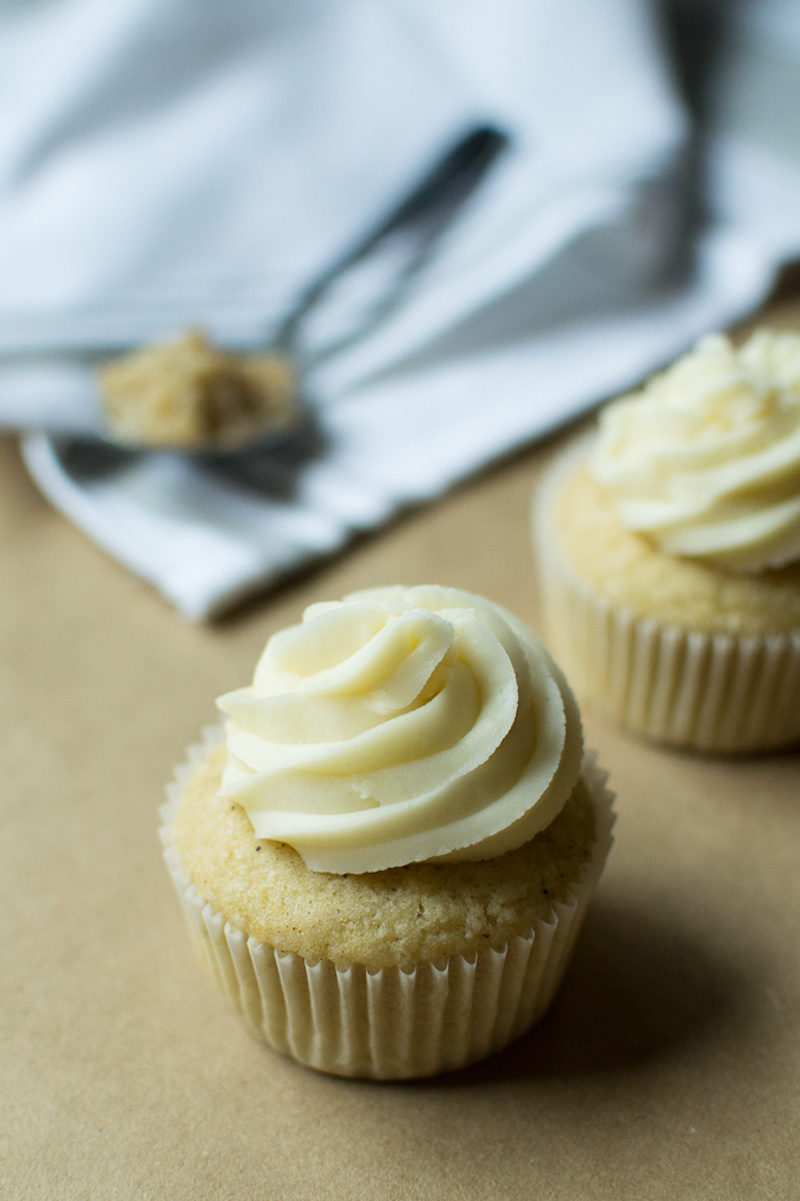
[187,394]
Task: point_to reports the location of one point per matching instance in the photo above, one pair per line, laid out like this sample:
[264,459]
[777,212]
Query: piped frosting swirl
[401,725]
[705,460]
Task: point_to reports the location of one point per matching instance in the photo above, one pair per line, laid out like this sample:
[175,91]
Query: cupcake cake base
[391,1020]
[712,681]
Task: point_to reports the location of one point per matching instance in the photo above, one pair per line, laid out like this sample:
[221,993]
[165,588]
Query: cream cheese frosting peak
[402,725]
[705,460]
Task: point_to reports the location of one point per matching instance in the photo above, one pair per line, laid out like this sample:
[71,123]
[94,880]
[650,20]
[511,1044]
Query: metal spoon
[231,412]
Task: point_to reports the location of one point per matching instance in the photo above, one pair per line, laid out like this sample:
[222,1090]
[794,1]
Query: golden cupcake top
[705,460]
[402,725]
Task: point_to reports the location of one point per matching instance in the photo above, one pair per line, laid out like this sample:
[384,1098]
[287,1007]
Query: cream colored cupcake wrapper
[711,692]
[392,1023]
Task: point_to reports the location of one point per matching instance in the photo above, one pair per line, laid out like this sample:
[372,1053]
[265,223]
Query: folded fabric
[204,165]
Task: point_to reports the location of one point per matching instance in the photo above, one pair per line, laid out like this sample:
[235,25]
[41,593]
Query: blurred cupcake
[668,550]
[387,859]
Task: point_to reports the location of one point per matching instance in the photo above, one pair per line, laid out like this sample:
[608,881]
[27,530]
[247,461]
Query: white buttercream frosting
[705,460]
[402,725]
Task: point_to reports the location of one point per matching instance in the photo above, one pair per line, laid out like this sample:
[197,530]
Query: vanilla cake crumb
[399,916]
[630,571]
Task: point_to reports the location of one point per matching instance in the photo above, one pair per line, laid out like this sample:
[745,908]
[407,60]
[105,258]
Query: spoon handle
[428,205]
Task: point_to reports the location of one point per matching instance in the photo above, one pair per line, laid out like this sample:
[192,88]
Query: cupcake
[386,854]
[668,551]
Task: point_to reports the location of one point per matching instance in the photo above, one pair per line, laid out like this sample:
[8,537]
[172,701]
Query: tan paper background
[667,1067]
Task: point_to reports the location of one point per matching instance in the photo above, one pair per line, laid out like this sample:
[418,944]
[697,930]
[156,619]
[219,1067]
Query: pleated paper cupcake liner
[392,1023]
[705,691]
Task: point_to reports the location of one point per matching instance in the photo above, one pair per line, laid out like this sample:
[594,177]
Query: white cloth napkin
[173,163]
